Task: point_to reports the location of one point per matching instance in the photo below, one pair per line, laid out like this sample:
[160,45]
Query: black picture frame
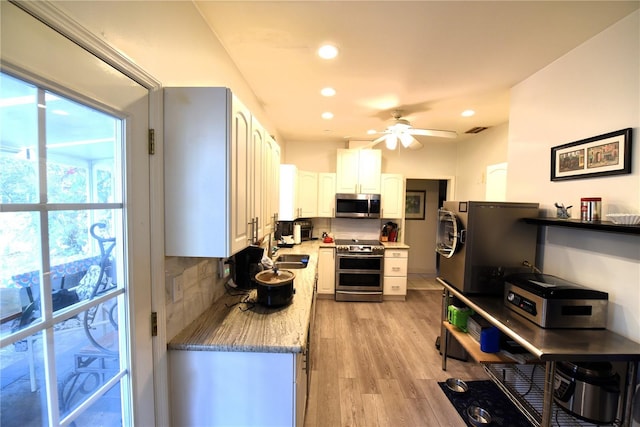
[414,204]
[602,155]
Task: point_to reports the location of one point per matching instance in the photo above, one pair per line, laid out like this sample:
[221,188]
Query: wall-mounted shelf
[596,225]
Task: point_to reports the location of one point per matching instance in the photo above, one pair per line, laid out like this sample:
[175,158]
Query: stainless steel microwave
[357,205]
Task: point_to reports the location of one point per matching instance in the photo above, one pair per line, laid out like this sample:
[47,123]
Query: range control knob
[511,296]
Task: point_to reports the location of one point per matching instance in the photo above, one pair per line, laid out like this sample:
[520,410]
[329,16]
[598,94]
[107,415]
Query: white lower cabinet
[220,388]
[395,273]
[327,271]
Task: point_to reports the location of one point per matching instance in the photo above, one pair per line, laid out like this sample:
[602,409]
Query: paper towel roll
[297,234]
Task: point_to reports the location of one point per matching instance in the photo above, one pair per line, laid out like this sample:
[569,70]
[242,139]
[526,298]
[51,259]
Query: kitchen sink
[292,261]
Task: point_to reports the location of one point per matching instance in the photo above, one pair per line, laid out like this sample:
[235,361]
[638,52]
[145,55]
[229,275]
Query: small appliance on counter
[246,264]
[552,302]
[306,229]
[275,287]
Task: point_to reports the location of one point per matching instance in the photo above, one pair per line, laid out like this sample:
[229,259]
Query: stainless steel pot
[275,287]
[588,390]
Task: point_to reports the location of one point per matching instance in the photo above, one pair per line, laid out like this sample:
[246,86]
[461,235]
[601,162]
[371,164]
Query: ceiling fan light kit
[402,130]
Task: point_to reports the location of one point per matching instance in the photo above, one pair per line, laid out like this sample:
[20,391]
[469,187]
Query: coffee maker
[246,264]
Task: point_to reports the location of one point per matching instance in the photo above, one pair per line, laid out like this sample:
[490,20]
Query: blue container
[490,340]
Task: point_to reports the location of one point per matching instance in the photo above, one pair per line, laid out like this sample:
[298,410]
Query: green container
[458,316]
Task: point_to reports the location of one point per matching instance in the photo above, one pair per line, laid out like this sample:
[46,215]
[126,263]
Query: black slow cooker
[275,287]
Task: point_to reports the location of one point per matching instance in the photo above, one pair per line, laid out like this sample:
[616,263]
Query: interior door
[78,219]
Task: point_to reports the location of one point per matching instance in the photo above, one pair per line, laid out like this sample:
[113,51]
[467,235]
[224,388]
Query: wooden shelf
[576,223]
[473,347]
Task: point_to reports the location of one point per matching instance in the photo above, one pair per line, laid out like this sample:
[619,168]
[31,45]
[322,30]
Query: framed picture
[414,204]
[602,155]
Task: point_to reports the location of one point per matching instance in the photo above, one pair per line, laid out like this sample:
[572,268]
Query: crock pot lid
[269,277]
[591,369]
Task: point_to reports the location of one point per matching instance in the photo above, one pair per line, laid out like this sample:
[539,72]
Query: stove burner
[359,246]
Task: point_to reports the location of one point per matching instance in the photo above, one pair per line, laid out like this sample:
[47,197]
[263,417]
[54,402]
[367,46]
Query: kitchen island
[240,363]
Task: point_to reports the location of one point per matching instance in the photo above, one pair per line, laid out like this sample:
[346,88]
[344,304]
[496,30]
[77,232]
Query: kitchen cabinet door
[395,273]
[207,134]
[307,194]
[347,165]
[326,195]
[240,176]
[326,271]
[271,188]
[358,171]
[224,388]
[369,169]
[288,192]
[257,172]
[392,195]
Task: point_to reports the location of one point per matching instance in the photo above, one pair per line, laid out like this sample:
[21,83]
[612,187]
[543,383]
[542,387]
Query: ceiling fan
[401,130]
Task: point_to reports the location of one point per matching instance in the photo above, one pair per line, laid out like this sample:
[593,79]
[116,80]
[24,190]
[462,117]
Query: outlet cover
[177,289]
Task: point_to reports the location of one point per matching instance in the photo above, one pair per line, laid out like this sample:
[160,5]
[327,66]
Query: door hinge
[154,324]
[152,141]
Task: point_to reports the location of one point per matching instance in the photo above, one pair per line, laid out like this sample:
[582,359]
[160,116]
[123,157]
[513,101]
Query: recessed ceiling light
[468,113]
[328,91]
[327,115]
[328,51]
[371,131]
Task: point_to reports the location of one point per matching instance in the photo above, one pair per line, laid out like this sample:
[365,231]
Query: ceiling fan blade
[433,132]
[415,145]
[375,141]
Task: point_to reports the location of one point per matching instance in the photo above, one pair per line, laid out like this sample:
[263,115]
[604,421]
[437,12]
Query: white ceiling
[431,59]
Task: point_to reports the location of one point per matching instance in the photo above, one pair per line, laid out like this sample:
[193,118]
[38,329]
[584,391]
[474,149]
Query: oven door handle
[340,255]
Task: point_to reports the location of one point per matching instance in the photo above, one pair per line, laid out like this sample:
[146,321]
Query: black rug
[488,396]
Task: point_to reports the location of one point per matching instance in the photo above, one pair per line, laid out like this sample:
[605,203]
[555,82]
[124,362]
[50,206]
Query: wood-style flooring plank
[375,364]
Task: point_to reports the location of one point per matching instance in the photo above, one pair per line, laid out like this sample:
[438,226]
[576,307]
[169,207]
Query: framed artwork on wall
[414,204]
[602,155]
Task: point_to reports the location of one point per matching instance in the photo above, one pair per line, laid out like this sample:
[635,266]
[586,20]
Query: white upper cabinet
[271,188]
[326,195]
[257,182]
[214,173]
[288,193]
[241,158]
[358,171]
[307,194]
[392,195]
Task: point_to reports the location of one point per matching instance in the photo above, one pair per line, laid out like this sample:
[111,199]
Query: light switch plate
[177,289]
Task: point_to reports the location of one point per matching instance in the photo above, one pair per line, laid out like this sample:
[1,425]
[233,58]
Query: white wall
[433,161]
[474,155]
[420,235]
[592,90]
[168,39]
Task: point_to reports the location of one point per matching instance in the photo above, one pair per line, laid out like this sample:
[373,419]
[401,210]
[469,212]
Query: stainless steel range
[359,270]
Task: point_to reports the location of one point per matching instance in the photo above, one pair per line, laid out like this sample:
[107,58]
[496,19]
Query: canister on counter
[590,208]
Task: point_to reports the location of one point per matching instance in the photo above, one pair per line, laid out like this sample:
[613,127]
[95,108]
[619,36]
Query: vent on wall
[477,129]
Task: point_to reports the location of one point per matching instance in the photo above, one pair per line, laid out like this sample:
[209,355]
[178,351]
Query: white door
[496,186]
[74,234]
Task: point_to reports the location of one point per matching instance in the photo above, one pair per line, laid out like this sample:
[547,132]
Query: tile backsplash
[200,287]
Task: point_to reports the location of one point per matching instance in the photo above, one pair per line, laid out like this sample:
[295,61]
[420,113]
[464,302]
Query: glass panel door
[62,257]
[73,213]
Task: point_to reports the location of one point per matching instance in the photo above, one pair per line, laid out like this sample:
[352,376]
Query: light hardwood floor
[376,365]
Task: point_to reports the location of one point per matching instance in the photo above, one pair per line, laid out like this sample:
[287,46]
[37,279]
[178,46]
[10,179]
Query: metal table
[553,345]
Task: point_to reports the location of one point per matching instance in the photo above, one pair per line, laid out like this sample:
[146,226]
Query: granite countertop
[395,245]
[226,327]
